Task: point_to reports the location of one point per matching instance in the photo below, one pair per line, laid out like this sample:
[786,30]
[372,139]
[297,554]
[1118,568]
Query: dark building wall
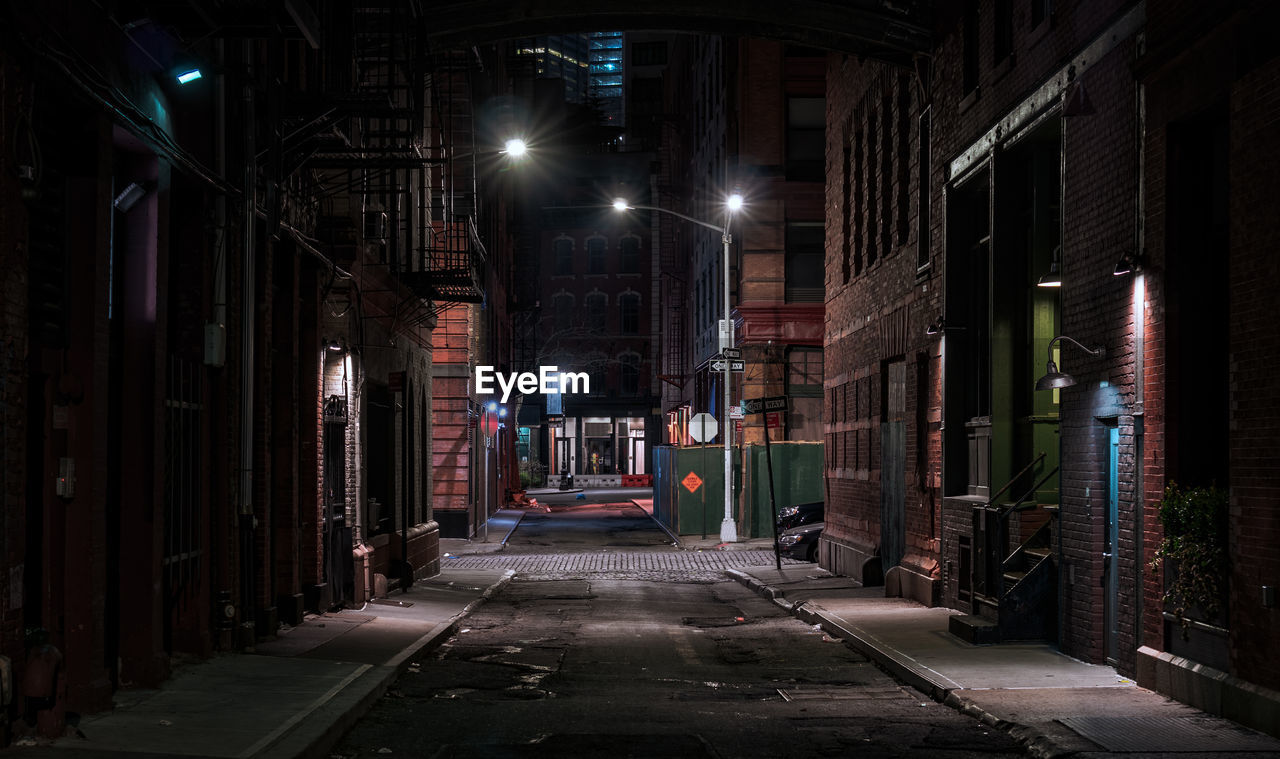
[1209,169]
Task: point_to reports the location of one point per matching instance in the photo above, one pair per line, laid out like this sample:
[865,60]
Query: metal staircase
[1014,591]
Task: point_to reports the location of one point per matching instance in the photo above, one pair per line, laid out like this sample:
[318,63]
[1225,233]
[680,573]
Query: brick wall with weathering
[882,294]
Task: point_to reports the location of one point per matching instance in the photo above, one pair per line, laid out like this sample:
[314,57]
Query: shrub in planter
[1194,551]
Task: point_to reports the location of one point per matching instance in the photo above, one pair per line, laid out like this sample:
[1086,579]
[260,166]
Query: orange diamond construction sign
[691,482]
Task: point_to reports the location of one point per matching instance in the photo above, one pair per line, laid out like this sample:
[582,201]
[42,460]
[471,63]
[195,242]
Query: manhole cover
[1169,734]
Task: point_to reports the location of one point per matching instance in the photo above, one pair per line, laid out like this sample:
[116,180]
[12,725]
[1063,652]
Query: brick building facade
[747,116]
[216,344]
[1119,150]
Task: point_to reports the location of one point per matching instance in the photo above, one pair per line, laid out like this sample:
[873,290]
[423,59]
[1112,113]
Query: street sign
[731,353]
[735,365]
[691,482]
[759,405]
[773,420]
[703,427]
[735,412]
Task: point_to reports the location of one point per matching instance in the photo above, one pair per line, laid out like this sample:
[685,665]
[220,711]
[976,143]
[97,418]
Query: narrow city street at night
[627,660]
[676,378]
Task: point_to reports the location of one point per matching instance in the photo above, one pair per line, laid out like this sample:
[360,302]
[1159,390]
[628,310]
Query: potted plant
[1194,551]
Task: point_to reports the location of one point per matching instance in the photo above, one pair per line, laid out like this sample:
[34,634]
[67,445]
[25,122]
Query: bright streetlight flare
[734,202]
[620,205]
[516,147]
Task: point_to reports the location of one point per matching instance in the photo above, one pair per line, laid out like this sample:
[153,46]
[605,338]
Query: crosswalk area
[658,566]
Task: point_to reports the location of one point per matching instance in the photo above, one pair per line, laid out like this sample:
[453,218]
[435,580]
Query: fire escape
[390,171]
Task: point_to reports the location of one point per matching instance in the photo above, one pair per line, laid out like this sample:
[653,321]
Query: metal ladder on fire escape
[447,259]
[1014,592]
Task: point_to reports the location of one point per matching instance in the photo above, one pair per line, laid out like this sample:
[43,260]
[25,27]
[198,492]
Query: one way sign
[735,365]
[760,405]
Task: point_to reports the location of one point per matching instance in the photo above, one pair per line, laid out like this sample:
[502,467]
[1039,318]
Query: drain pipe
[1139,350]
[248,323]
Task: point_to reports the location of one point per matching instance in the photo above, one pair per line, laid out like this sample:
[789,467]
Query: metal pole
[703,446]
[728,529]
[773,504]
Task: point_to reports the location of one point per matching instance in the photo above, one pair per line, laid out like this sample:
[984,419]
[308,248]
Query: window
[629,313]
[1040,10]
[902,211]
[597,317]
[629,255]
[562,306]
[970,42]
[846,225]
[564,255]
[595,255]
[806,138]
[629,374]
[804,262]
[804,372]
[922,216]
[1003,43]
[649,53]
[597,366]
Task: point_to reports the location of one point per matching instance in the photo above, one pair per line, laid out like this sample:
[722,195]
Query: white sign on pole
[703,427]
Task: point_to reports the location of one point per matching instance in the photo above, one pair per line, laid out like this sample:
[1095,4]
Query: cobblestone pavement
[660,566]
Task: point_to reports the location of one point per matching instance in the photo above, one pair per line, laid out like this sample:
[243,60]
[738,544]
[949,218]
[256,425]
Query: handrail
[1017,505]
[1015,478]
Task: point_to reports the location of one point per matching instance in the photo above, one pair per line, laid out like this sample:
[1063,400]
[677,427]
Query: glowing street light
[733,204]
[516,147]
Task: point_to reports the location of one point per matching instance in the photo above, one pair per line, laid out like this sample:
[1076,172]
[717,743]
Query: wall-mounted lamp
[1054,277]
[1130,262]
[337,345]
[1054,379]
[936,327]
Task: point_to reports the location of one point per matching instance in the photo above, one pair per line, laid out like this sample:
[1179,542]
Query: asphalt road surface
[680,664]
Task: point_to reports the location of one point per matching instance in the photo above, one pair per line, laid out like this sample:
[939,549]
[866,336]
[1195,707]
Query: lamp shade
[1054,379]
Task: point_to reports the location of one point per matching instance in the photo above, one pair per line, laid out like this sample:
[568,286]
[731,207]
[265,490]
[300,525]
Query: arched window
[597,304]
[629,255]
[595,255]
[562,307]
[629,374]
[597,365]
[629,313]
[563,248]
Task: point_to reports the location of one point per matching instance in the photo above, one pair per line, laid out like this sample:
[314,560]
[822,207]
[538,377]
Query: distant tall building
[561,56]
[606,76]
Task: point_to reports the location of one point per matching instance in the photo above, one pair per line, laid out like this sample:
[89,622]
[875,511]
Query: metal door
[893,467]
[1111,603]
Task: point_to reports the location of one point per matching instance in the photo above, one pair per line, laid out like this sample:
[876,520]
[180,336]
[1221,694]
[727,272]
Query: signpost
[772,408]
[702,427]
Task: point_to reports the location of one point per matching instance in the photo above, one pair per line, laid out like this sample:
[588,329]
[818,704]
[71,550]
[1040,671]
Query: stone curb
[324,727]
[1037,744]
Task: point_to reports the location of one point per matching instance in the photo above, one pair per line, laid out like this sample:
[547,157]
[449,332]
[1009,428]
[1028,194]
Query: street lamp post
[728,527]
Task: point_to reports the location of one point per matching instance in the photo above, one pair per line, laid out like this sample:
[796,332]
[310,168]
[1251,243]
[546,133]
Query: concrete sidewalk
[296,696]
[492,537]
[1053,704]
[710,543]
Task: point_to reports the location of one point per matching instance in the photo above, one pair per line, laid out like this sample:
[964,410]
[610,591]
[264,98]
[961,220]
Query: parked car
[801,542]
[804,513]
